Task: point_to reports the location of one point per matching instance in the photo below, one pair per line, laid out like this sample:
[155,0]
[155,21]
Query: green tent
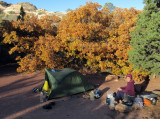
[66,82]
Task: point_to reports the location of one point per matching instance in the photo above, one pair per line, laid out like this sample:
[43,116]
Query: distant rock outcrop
[4,4]
[28,7]
[11,11]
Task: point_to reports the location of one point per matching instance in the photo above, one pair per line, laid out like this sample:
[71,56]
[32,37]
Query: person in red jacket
[129,89]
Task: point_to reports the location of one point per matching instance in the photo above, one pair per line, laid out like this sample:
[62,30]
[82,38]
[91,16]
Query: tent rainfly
[66,82]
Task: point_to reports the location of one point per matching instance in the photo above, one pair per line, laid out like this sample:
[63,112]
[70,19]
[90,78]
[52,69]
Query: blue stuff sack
[53,70]
[97,93]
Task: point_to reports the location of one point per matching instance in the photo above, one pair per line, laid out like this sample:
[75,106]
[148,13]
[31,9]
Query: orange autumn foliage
[122,23]
[25,34]
[83,35]
[91,37]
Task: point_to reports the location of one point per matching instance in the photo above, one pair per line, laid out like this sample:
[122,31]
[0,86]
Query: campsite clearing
[18,101]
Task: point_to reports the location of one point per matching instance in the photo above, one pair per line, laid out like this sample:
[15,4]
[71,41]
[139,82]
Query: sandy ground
[17,101]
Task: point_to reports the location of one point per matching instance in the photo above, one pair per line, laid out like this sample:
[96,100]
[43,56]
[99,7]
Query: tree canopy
[145,40]
[28,37]
[110,6]
[91,38]
[22,14]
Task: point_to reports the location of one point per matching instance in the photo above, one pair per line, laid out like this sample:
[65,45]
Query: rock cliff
[11,11]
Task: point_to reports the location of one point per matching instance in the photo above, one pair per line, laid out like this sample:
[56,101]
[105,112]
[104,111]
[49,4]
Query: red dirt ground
[17,101]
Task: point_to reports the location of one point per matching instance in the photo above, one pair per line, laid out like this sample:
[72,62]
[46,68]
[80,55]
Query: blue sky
[63,5]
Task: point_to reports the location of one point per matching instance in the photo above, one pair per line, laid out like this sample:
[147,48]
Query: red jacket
[129,89]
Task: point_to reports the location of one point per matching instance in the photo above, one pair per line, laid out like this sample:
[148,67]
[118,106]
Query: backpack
[139,101]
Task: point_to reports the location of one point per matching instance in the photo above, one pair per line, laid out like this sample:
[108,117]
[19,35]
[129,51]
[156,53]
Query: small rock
[135,107]
[111,77]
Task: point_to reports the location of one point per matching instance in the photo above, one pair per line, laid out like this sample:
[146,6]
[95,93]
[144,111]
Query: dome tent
[66,82]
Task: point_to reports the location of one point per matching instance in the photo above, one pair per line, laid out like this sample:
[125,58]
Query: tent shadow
[97,79]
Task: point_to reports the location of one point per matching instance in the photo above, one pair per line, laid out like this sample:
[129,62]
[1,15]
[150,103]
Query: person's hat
[129,75]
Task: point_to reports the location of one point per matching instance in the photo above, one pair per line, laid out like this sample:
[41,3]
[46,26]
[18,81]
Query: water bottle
[92,96]
[41,96]
[112,101]
[109,94]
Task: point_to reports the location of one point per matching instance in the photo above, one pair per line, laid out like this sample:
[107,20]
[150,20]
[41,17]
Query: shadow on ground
[9,69]
[19,102]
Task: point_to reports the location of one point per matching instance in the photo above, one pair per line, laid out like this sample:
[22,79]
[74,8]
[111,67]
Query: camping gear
[110,96]
[98,93]
[41,96]
[139,88]
[35,90]
[128,103]
[66,82]
[92,96]
[46,86]
[53,70]
[108,101]
[114,94]
[146,101]
[139,101]
[112,101]
[128,100]
[150,96]
[153,101]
